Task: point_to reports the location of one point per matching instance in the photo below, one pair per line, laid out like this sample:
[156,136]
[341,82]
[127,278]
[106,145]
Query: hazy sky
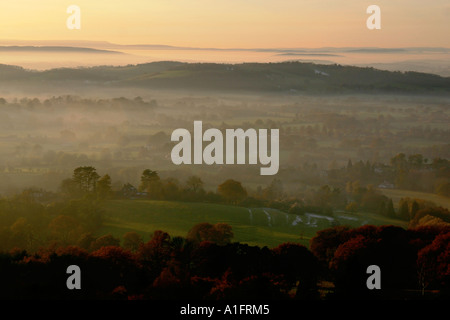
[232,23]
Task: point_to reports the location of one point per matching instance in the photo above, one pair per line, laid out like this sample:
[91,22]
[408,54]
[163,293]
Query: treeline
[413,263]
[324,200]
[29,224]
[415,259]
[85,182]
[36,218]
[70,102]
[409,172]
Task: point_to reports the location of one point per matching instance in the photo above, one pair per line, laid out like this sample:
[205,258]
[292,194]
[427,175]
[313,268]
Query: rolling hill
[50,49]
[291,77]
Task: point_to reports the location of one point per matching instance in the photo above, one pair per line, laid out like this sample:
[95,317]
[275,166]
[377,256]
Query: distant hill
[293,77]
[55,49]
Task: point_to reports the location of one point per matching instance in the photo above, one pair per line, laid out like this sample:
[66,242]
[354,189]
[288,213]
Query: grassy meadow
[255,226]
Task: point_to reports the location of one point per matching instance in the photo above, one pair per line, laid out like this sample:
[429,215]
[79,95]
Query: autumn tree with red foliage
[155,253]
[178,268]
[219,233]
[326,241]
[388,247]
[433,263]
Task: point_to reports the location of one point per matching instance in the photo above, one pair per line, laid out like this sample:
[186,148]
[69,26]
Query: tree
[219,233]
[382,210]
[443,189]
[170,189]
[147,178]
[85,178]
[298,266]
[232,191]
[85,241]
[390,211]
[104,189]
[349,165]
[105,241]
[258,287]
[399,161]
[400,165]
[433,263]
[151,183]
[156,252]
[430,216]
[22,233]
[114,267]
[131,241]
[69,188]
[326,241]
[194,183]
[64,228]
[403,211]
[416,160]
[414,209]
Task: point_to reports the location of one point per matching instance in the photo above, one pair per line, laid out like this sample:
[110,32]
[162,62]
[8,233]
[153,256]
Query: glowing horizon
[232,23]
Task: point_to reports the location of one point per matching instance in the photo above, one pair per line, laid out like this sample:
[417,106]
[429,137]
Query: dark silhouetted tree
[299,267]
[156,252]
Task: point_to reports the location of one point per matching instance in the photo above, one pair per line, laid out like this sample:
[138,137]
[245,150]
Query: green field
[256,226]
[397,194]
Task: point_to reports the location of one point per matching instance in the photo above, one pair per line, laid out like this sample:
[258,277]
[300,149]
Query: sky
[232,23]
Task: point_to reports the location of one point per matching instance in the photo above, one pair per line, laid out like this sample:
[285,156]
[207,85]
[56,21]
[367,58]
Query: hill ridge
[292,77]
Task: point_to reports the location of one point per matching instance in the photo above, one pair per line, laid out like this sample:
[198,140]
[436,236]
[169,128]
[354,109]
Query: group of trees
[164,267]
[36,218]
[409,172]
[86,182]
[75,102]
[368,199]
[170,189]
[29,224]
[414,172]
[413,259]
[207,265]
